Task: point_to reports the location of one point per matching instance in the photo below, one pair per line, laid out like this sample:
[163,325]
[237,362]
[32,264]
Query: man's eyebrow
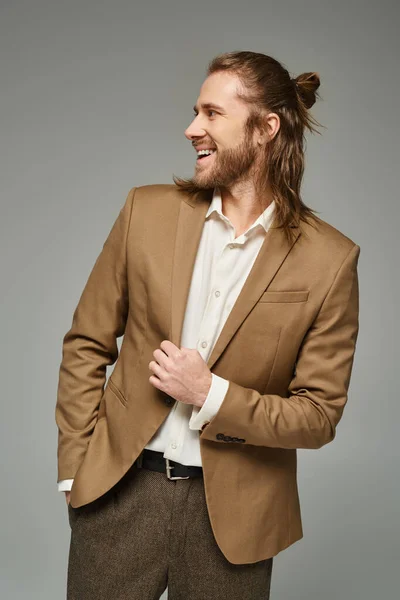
[206,105]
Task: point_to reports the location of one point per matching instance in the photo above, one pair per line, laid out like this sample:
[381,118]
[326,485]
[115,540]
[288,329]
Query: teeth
[204,152]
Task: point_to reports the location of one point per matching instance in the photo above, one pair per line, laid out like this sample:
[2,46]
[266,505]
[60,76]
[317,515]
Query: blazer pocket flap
[116,391]
[295,296]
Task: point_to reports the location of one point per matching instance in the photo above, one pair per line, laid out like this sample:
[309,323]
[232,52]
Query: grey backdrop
[95,97]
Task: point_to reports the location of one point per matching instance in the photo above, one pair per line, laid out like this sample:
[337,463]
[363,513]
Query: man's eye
[209,111]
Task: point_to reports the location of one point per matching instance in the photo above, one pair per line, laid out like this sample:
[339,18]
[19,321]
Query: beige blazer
[287,349]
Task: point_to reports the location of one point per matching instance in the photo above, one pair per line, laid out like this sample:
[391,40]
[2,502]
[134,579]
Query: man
[239,310]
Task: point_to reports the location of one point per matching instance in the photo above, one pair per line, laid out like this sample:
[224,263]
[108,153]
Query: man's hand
[67,495]
[180,373]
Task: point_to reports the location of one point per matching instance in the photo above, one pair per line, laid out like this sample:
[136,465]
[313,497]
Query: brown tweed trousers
[149,532]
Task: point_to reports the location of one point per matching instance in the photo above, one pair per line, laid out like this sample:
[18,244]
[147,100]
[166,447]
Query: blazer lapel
[192,212]
[272,254]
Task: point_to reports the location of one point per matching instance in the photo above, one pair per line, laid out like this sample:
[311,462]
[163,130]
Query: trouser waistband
[155,461]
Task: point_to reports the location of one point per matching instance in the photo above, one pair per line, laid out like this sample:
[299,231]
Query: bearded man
[238,308]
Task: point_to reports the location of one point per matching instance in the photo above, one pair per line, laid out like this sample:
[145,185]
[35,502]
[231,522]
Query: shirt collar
[265,219]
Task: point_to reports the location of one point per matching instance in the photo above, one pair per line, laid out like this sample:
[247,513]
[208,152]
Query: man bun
[307,85]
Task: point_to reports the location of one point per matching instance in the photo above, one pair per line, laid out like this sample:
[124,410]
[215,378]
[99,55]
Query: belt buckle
[169,467]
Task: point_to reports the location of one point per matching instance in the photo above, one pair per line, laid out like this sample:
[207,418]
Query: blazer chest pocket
[295,296]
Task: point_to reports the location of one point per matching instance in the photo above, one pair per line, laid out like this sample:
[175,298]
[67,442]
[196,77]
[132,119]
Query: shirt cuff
[65,485]
[215,397]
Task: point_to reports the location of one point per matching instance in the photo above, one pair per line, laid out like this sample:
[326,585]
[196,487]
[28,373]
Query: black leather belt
[155,461]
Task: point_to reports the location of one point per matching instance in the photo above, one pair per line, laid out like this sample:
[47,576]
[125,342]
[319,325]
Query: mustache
[203,144]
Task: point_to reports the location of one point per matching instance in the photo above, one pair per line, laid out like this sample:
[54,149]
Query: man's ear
[272,123]
[267,128]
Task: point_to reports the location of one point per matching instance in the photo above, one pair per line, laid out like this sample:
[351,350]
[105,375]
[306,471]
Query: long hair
[266,86]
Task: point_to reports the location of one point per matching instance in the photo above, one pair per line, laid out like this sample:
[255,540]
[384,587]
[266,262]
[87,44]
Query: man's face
[220,123]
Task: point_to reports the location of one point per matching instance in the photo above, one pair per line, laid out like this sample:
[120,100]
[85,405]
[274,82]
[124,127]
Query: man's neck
[242,206]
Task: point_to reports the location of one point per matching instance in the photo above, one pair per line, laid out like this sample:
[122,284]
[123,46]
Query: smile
[205,158]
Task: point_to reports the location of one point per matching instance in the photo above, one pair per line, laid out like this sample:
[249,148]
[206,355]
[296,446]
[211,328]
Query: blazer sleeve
[91,344]
[318,390]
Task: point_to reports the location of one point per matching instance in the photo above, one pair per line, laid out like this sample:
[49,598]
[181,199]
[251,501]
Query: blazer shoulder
[326,238]
[157,193]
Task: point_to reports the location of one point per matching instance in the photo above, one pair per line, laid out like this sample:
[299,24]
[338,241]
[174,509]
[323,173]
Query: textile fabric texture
[148,532]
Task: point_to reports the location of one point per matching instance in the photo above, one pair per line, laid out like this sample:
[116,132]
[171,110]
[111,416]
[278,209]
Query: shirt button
[217,293]
[173,445]
[203,344]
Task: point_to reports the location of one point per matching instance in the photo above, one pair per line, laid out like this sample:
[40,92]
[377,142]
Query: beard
[229,166]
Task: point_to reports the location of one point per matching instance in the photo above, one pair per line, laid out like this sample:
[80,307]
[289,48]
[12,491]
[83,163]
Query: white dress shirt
[222,265]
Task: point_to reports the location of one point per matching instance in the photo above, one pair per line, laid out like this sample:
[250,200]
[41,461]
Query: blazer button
[168,401]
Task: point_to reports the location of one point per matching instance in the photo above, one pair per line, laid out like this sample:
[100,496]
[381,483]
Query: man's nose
[194,130]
